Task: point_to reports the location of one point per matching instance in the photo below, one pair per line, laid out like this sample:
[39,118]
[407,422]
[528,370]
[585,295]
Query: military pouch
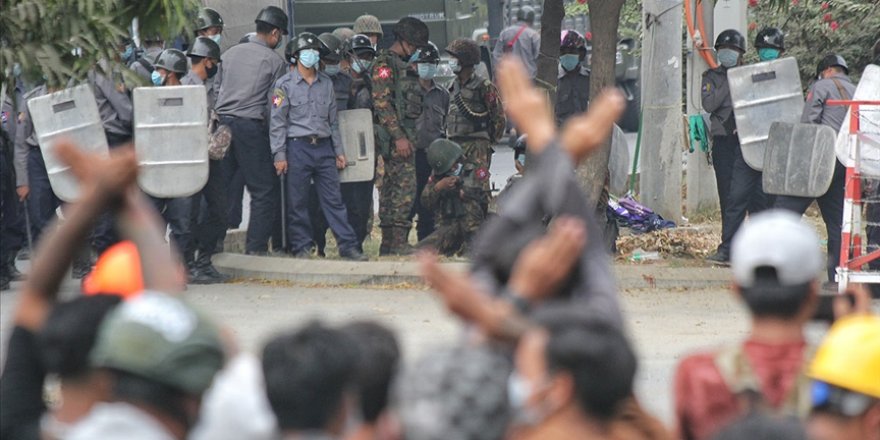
[219,138]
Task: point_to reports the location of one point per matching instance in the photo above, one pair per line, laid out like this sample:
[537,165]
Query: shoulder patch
[707,87]
[277,97]
[481,173]
[384,72]
[4,116]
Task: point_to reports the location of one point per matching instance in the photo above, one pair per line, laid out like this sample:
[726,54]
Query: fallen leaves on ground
[692,242]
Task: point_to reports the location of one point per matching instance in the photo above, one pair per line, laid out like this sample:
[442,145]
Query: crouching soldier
[455,193]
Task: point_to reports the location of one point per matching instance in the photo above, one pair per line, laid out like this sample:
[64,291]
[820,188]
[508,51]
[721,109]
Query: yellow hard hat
[849,357]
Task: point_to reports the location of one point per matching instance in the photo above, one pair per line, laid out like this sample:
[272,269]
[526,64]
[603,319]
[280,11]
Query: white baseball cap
[778,239]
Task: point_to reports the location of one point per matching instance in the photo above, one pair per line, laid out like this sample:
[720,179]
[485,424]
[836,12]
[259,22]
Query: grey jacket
[300,109]
[715,92]
[25,138]
[114,102]
[815,109]
[431,124]
[245,79]
[526,47]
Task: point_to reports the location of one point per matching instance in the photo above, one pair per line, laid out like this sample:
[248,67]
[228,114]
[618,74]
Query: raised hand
[585,132]
[547,261]
[527,107]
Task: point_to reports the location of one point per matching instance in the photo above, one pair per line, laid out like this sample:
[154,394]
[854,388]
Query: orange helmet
[118,271]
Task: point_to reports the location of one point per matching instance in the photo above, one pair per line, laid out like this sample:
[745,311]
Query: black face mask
[213,70]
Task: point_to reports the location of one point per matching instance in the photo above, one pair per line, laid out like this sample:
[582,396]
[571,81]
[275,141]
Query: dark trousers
[317,220]
[12,225]
[831,207]
[358,200]
[306,163]
[177,215]
[426,217]
[105,234]
[208,214]
[744,194]
[41,201]
[250,153]
[235,194]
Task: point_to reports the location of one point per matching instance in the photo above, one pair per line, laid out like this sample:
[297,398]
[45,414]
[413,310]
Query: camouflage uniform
[397,104]
[458,212]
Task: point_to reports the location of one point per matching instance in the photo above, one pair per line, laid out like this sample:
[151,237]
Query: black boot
[206,273]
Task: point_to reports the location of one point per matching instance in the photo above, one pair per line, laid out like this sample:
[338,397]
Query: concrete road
[664,323]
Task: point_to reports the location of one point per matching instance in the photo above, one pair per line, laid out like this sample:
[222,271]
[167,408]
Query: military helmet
[208,18]
[367,24]
[832,60]
[429,54]
[731,37]
[343,33]
[162,339]
[334,46]
[172,60]
[466,50]
[273,16]
[526,14]
[442,155]
[204,47]
[412,30]
[360,43]
[572,39]
[771,38]
[305,40]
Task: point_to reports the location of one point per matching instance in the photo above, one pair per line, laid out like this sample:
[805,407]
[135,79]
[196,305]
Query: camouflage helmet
[204,47]
[411,30]
[770,37]
[305,40]
[360,43]
[526,14]
[343,33]
[208,18]
[429,54]
[466,50]
[442,155]
[273,16]
[334,46]
[162,339]
[172,60]
[367,24]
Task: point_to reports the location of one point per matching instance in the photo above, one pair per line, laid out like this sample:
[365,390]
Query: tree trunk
[548,58]
[604,20]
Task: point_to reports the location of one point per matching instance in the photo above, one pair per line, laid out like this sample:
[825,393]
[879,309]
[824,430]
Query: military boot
[387,241]
[206,273]
[401,244]
[192,269]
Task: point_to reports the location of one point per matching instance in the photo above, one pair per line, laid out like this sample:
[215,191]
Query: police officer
[521,40]
[209,24]
[770,44]
[739,186]
[573,88]
[305,139]
[456,196]
[143,66]
[397,103]
[13,171]
[476,117]
[833,83]
[369,25]
[430,126]
[247,75]
[208,227]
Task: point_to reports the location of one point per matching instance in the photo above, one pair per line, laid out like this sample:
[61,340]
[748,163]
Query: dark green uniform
[458,211]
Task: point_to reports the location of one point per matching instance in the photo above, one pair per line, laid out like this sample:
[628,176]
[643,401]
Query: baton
[27,225]
[283,213]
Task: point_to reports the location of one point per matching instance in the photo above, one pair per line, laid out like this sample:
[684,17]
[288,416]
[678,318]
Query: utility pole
[662,131]
[702,191]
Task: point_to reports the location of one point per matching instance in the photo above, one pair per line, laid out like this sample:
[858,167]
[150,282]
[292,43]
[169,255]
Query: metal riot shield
[70,114]
[619,163]
[799,160]
[869,125]
[762,94]
[356,130]
[171,139]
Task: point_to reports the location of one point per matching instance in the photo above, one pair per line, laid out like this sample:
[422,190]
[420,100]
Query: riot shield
[71,114]
[869,125]
[762,94]
[619,163]
[799,160]
[356,130]
[171,139]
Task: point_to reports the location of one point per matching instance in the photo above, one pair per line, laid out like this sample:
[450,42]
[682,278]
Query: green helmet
[172,60]
[208,18]
[163,339]
[412,30]
[466,50]
[367,24]
[442,155]
[204,47]
[334,46]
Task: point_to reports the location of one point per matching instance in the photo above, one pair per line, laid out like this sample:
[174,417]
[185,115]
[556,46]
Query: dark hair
[196,59]
[378,360]
[70,333]
[595,353]
[767,298]
[265,28]
[307,373]
[129,387]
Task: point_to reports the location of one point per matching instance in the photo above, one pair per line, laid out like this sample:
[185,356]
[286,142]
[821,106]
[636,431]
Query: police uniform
[431,125]
[817,111]
[358,196]
[572,93]
[397,103]
[739,186]
[143,66]
[12,225]
[459,212]
[114,106]
[526,45]
[243,84]
[304,131]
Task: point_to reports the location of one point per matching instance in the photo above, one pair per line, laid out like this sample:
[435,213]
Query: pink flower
[589,35]
[753,26]
[582,1]
[753,3]
[825,6]
[834,25]
[795,2]
[826,18]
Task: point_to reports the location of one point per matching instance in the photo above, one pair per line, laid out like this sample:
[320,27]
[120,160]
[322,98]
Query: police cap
[732,38]
[429,54]
[770,38]
[334,46]
[305,40]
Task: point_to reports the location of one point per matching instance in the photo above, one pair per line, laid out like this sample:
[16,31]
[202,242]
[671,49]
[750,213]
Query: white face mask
[519,391]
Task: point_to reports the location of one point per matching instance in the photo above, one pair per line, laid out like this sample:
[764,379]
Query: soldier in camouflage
[455,193]
[397,104]
[476,117]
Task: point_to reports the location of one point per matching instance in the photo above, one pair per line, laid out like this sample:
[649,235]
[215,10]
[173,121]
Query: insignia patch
[706,87]
[277,98]
[384,72]
[4,116]
[481,173]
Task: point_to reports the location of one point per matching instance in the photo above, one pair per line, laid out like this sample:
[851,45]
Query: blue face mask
[128,53]
[453,64]
[216,38]
[331,69]
[361,66]
[414,57]
[768,53]
[569,62]
[309,58]
[427,70]
[728,57]
[156,77]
